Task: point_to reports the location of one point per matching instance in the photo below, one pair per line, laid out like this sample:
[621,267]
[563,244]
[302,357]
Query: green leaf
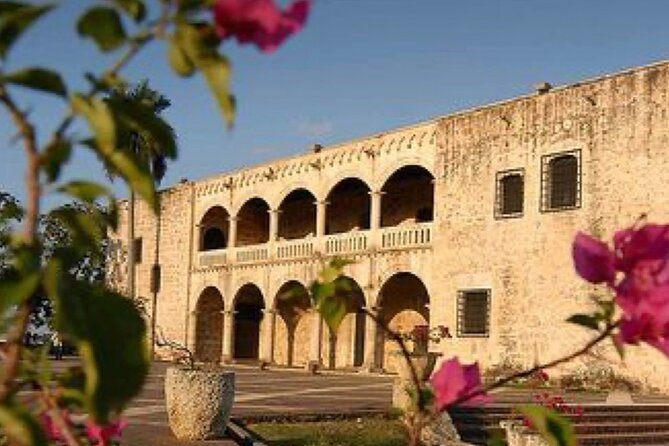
[53,158]
[555,429]
[21,426]
[16,287]
[86,229]
[179,60]
[110,336]
[38,79]
[134,8]
[123,162]
[15,19]
[584,320]
[85,191]
[104,26]
[200,44]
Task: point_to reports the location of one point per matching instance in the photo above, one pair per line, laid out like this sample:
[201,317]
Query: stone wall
[616,125]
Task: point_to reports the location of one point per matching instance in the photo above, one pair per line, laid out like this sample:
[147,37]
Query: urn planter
[199,401]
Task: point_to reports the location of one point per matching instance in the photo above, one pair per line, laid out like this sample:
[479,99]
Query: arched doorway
[253,223]
[209,326]
[404,303]
[349,206]
[249,306]
[346,347]
[297,218]
[214,229]
[293,324]
[408,197]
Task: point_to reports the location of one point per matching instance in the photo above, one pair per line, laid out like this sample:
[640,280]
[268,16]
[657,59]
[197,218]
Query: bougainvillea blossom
[454,381]
[637,270]
[260,22]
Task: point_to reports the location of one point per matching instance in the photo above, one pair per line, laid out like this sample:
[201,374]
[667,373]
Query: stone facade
[418,211]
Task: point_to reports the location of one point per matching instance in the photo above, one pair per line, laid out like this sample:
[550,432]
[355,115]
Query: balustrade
[396,237]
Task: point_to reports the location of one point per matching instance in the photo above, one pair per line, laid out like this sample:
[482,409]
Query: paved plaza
[261,394]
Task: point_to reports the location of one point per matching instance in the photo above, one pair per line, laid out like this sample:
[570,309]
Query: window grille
[474,313]
[509,193]
[561,181]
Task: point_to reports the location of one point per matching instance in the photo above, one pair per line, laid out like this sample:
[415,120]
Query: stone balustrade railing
[397,237]
[416,235]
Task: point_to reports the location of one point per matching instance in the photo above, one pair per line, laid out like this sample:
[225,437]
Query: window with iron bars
[474,313]
[509,193]
[561,181]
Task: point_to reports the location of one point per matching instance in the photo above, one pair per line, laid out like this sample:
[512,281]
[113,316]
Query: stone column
[232,232]
[321,215]
[274,224]
[314,360]
[371,341]
[228,335]
[192,331]
[267,340]
[375,217]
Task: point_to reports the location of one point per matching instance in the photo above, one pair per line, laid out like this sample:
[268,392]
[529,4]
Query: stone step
[603,439]
[583,419]
[581,429]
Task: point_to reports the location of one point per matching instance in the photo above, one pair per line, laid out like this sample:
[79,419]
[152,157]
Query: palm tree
[150,154]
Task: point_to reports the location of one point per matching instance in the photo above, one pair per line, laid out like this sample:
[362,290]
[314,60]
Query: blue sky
[360,66]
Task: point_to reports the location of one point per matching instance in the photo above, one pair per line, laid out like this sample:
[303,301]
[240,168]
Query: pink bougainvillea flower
[454,380]
[641,256]
[50,428]
[104,435]
[259,22]
[593,259]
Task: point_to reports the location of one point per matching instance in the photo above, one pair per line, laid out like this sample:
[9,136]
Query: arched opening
[348,207]
[293,326]
[214,229]
[249,306]
[404,303]
[209,326]
[346,347]
[297,218]
[253,223]
[408,197]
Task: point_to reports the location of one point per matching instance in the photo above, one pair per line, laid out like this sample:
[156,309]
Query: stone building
[464,220]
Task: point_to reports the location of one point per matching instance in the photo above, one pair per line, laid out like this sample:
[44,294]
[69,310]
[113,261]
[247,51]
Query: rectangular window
[137,248]
[509,193]
[474,313]
[561,181]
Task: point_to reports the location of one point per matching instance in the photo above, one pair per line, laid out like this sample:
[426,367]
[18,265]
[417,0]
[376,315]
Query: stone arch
[292,186]
[248,306]
[403,303]
[297,215]
[292,327]
[346,347]
[408,196]
[253,222]
[213,229]
[209,325]
[348,195]
[342,174]
[399,163]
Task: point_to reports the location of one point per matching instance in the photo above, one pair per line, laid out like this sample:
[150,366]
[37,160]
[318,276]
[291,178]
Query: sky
[359,67]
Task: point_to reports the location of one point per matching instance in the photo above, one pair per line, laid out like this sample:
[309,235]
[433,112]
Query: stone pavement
[260,394]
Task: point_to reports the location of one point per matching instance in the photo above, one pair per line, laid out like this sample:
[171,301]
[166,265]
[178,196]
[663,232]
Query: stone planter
[199,402]
[424,364]
[519,435]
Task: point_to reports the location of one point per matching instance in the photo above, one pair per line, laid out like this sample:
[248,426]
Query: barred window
[474,313]
[561,181]
[509,193]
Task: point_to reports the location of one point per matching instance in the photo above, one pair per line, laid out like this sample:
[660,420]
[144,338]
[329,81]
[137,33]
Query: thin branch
[526,373]
[58,419]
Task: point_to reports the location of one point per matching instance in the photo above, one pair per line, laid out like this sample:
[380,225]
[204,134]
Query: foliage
[56,261]
[361,432]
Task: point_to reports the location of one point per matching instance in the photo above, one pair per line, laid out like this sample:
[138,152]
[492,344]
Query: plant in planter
[198,397]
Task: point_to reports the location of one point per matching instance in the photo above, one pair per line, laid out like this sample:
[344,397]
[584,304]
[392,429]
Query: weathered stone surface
[199,402]
[617,123]
[441,432]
